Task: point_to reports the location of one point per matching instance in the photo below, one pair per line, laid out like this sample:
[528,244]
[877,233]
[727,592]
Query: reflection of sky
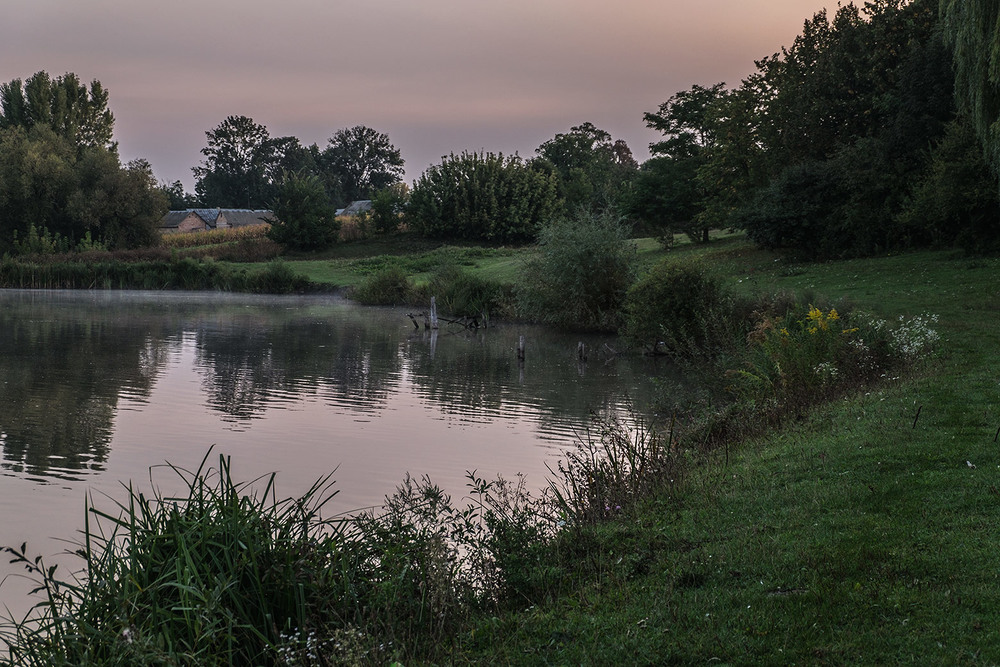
[394,417]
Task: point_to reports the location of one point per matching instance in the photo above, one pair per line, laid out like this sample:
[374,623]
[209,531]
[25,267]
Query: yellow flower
[833,314]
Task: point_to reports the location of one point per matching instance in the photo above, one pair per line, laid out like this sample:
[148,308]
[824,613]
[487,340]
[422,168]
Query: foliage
[177,198]
[972,30]
[581,274]
[664,197]
[64,105]
[957,201]
[364,161]
[614,467]
[388,205]
[481,197]
[210,578]
[105,271]
[243,164]
[594,171]
[807,355]
[68,192]
[461,294]
[387,287]
[303,217]
[674,308]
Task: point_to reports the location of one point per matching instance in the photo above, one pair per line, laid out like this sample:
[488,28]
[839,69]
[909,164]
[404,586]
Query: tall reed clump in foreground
[219,575]
[226,574]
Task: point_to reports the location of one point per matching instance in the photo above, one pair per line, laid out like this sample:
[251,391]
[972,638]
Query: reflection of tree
[479,375]
[251,360]
[63,369]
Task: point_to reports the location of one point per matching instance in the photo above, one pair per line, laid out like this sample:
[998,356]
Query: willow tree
[973,30]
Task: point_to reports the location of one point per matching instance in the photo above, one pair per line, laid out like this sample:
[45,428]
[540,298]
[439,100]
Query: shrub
[677,308]
[388,287]
[482,197]
[303,216]
[582,273]
[462,294]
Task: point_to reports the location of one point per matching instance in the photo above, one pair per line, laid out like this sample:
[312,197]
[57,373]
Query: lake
[97,387]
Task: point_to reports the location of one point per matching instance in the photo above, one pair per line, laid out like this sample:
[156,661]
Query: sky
[437,76]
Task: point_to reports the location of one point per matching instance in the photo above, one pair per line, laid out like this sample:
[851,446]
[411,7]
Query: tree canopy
[484,197]
[65,105]
[973,31]
[593,169]
[363,160]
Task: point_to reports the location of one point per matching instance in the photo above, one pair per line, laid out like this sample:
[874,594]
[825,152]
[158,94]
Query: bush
[303,216]
[388,287]
[677,308]
[482,197]
[461,294]
[582,273]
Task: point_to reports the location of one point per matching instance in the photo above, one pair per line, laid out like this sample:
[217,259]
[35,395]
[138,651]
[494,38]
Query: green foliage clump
[461,294]
[389,286]
[482,197]
[580,277]
[303,217]
[676,307]
[216,577]
[387,209]
[66,191]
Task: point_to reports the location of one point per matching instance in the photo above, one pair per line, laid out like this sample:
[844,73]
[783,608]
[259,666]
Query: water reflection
[68,359]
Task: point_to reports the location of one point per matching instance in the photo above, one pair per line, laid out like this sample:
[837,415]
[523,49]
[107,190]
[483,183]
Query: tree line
[876,130]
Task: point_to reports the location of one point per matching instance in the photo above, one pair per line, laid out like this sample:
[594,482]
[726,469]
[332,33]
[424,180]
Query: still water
[97,387]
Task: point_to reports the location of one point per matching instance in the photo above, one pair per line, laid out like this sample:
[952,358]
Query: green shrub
[580,277]
[303,216]
[481,197]
[388,287]
[462,294]
[676,308]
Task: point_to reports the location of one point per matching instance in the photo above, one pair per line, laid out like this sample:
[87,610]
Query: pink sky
[437,76]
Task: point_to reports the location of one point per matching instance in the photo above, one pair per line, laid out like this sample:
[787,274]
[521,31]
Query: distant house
[356,207]
[205,219]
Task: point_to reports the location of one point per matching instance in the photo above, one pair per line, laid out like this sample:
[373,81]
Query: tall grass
[181,273]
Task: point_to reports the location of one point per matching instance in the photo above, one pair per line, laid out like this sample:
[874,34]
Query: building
[205,219]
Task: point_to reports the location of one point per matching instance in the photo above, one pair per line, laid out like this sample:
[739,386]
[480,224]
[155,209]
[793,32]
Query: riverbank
[861,532]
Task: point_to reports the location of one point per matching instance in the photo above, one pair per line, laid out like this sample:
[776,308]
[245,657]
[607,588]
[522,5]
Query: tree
[973,31]
[177,198]
[364,161]
[690,122]
[50,187]
[594,171]
[243,164]
[303,218]
[482,197]
[582,274]
[64,105]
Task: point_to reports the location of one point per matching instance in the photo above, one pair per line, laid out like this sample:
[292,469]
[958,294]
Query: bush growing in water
[585,267]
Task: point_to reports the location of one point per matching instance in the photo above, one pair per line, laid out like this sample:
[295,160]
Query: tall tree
[243,164]
[64,104]
[973,30]
[670,192]
[364,161]
[594,170]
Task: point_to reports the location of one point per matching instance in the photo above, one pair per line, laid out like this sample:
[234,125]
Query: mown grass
[863,533]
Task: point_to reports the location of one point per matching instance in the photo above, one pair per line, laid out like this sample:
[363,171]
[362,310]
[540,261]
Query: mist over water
[98,387]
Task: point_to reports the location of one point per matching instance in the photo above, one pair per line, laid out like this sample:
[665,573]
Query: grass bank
[863,533]
[860,532]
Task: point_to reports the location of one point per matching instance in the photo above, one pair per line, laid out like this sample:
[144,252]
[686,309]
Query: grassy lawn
[865,533]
